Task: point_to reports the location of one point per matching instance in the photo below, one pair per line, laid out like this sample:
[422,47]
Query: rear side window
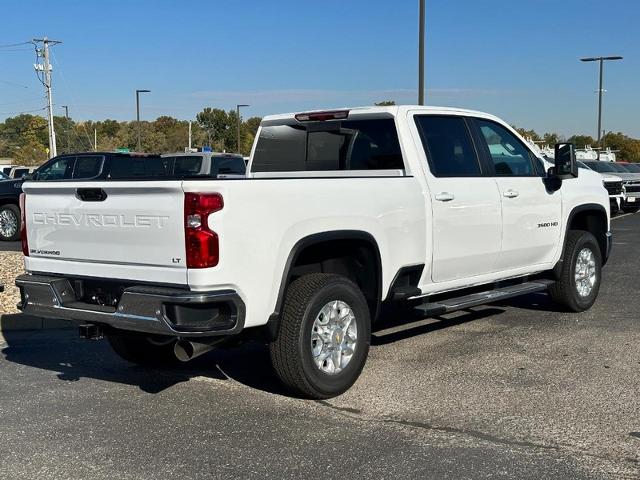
[60,169]
[329,146]
[123,167]
[87,166]
[448,146]
[228,165]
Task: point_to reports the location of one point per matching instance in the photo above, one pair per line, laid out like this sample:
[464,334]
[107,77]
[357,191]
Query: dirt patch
[11,265]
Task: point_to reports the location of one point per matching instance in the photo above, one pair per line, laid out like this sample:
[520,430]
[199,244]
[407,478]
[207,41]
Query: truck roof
[395,110]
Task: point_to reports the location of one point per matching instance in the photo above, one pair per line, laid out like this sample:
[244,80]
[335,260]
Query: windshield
[633,167]
[600,167]
[619,168]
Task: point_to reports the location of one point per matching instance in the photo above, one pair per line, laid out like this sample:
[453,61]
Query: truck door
[531,215]
[465,203]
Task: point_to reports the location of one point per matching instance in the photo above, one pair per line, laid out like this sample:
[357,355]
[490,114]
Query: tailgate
[128,230]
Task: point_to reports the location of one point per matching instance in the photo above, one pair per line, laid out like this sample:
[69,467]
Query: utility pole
[421,54]
[66,115]
[45,68]
[95,139]
[138,92]
[189,135]
[600,89]
[238,120]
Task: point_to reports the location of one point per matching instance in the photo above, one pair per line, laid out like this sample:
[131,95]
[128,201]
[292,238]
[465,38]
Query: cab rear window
[370,144]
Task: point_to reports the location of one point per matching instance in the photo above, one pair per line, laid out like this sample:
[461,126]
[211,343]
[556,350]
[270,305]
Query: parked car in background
[611,181]
[340,212]
[6,170]
[209,164]
[21,172]
[10,190]
[631,201]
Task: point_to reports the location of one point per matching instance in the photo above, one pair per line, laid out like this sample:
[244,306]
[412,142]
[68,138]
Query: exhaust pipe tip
[185,350]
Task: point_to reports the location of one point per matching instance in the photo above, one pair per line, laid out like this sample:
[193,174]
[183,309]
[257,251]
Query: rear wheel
[579,283]
[142,349]
[9,222]
[324,336]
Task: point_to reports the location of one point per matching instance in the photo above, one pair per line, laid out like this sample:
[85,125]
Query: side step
[459,303]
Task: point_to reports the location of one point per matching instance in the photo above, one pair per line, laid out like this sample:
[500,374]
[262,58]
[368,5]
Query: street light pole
[421,55]
[238,121]
[601,60]
[138,92]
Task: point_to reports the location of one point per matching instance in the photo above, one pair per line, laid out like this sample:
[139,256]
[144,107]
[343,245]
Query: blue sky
[516,59]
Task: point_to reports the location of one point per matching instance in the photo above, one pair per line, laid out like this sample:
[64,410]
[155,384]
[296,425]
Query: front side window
[448,146]
[325,146]
[510,157]
[60,169]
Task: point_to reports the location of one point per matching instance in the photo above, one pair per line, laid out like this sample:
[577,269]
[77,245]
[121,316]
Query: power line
[25,111]
[73,103]
[9,45]
[13,83]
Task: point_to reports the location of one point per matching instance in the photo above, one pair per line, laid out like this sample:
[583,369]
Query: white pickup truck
[442,209]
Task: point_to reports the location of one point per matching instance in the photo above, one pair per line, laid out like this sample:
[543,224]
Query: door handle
[91,194]
[510,193]
[444,196]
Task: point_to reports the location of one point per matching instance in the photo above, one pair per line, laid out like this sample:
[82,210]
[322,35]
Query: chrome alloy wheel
[585,274]
[334,337]
[8,223]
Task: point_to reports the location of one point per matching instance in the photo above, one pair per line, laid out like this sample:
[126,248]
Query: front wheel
[579,282]
[324,336]
[630,207]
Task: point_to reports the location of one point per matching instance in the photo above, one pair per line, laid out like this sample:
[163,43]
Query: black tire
[13,212]
[291,352]
[565,291]
[630,208]
[144,350]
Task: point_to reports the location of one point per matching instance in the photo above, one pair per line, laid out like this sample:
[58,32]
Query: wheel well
[593,221]
[354,258]
[9,201]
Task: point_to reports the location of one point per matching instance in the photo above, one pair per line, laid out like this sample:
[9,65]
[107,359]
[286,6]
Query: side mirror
[565,161]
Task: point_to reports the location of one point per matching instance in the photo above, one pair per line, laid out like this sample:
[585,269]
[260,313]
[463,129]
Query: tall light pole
[600,89]
[138,92]
[66,115]
[421,55]
[238,120]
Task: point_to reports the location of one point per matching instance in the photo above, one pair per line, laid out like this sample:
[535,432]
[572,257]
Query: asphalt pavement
[10,247]
[510,390]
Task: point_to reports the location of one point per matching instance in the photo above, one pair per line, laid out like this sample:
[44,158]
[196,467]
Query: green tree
[581,141]
[527,133]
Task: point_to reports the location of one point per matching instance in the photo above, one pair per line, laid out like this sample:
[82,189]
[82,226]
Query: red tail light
[23,224]
[202,247]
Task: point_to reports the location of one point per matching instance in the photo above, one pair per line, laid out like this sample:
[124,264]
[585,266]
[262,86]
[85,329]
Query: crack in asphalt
[357,414]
